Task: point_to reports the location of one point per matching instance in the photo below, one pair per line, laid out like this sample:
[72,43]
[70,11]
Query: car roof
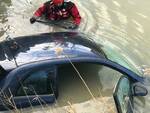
[26,49]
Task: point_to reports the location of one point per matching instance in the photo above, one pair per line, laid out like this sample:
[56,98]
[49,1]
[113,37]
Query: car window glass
[122,95]
[117,57]
[37,83]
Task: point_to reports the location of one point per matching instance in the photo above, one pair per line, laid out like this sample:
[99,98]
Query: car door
[123,95]
[37,88]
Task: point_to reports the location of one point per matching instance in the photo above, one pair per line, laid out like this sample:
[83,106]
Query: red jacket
[51,12]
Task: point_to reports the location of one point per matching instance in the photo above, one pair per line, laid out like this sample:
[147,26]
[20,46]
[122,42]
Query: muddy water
[122,25]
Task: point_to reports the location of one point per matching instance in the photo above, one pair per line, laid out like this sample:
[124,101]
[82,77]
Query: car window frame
[28,75]
[32,100]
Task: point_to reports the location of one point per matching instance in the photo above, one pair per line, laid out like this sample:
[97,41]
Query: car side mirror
[139,91]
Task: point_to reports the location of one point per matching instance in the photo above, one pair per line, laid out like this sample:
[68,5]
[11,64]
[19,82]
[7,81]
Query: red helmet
[58,2]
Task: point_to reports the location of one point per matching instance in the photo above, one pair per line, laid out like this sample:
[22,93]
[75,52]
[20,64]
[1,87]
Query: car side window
[37,83]
[122,95]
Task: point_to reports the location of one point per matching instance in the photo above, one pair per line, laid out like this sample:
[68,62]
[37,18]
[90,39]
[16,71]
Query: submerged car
[30,70]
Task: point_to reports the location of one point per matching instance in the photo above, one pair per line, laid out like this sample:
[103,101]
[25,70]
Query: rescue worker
[58,10]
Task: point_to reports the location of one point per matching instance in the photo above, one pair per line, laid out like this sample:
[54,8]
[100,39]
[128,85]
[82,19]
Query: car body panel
[22,70]
[48,46]
[49,50]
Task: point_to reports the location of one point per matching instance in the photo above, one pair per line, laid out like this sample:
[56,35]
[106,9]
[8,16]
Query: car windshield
[120,59]
[114,55]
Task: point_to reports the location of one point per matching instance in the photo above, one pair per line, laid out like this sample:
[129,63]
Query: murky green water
[122,25]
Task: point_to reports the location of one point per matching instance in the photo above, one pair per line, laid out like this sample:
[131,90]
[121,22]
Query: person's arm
[75,14]
[38,13]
